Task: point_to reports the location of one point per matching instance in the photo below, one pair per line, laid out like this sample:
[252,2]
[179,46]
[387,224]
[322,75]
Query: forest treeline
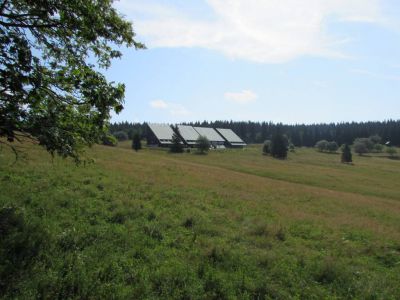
[299,134]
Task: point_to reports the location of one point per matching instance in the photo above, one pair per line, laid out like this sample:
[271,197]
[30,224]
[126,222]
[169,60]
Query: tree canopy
[177,145]
[279,145]
[136,142]
[51,89]
[347,157]
[202,144]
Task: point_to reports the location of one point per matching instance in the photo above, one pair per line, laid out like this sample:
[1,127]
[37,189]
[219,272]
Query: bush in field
[267,147]
[136,142]
[291,147]
[279,146]
[375,139]
[120,135]
[391,151]
[202,144]
[378,148]
[321,145]
[346,154]
[368,144]
[177,146]
[332,146]
[360,146]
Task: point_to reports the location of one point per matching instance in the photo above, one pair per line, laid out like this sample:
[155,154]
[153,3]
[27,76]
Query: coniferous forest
[299,134]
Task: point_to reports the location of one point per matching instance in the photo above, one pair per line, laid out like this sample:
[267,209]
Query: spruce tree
[136,143]
[177,146]
[279,146]
[346,154]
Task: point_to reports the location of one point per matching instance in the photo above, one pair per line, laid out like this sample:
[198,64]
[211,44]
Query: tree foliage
[279,146]
[391,151]
[49,91]
[267,147]
[177,146]
[332,146]
[203,144]
[347,157]
[360,147]
[136,142]
[367,143]
[375,139]
[321,145]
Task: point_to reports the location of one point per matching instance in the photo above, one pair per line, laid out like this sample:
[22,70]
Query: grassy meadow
[232,224]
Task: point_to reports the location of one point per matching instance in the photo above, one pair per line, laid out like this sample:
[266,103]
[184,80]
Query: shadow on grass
[332,153]
[393,157]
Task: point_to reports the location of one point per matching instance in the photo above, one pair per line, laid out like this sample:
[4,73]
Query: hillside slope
[231,224]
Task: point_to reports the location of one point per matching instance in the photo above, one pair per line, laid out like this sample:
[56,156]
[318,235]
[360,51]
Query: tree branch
[3,6]
[22,25]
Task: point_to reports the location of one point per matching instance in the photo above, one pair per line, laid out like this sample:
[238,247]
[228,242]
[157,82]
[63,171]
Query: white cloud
[268,31]
[174,109]
[159,104]
[243,97]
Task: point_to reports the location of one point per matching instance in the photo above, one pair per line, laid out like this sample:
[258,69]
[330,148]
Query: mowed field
[232,224]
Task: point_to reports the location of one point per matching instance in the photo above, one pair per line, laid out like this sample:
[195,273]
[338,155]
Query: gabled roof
[210,134]
[188,133]
[231,137]
[162,132]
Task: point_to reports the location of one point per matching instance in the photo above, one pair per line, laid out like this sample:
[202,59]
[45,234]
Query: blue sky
[290,61]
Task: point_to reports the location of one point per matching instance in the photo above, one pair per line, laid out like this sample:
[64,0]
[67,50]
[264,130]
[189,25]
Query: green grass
[231,224]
